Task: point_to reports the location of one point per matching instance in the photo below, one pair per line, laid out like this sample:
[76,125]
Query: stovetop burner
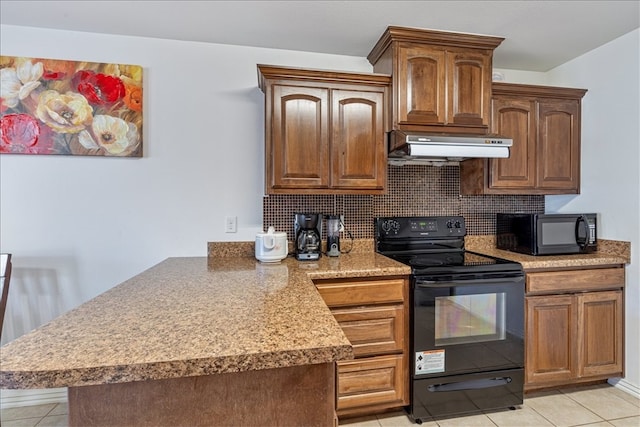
[433,260]
[433,245]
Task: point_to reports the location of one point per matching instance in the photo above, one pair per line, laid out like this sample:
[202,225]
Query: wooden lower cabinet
[600,339]
[574,336]
[374,315]
[372,382]
[373,330]
[552,328]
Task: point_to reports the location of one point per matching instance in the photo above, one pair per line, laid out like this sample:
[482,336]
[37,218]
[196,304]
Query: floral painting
[51,106]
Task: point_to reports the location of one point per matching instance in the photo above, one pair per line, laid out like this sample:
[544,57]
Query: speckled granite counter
[610,252]
[190,317]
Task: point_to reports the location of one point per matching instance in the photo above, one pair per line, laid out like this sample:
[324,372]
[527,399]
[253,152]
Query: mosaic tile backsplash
[413,190]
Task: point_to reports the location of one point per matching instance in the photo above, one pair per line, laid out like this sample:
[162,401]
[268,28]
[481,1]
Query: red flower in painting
[19,133]
[53,75]
[99,89]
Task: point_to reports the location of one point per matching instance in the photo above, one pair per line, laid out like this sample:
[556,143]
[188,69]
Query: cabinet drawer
[345,293]
[377,381]
[373,330]
[575,280]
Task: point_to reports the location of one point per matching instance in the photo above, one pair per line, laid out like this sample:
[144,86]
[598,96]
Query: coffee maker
[308,231]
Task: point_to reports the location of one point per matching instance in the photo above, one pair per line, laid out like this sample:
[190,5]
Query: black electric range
[466,320]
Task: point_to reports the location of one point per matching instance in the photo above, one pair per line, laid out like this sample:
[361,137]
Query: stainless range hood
[418,148]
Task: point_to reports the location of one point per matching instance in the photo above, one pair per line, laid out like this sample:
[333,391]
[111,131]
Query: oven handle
[447,283]
[471,384]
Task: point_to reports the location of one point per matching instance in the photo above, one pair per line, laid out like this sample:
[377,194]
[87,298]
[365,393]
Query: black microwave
[546,234]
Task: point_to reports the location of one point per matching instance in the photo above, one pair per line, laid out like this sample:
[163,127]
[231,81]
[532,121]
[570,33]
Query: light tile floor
[48,415]
[595,406]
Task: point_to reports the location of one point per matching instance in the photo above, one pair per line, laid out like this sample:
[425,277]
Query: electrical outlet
[341,223]
[231,224]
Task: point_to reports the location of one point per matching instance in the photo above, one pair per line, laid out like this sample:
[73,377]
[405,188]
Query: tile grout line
[589,409]
[39,418]
[543,417]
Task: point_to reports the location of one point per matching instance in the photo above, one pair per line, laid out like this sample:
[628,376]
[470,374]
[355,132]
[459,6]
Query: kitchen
[159,206]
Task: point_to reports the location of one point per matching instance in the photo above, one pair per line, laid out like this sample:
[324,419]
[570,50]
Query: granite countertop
[610,252]
[190,317]
[223,313]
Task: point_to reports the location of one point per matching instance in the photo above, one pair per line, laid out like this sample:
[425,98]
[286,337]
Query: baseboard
[15,398]
[625,386]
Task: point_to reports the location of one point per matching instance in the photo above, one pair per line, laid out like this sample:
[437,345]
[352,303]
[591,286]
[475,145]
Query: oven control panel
[436,226]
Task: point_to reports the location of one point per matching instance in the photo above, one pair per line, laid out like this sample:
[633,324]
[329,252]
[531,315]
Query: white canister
[271,246]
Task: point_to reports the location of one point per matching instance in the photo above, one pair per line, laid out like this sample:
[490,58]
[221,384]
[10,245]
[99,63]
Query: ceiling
[539,35]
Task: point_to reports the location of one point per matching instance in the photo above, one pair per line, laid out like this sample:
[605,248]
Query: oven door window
[472,324]
[461,319]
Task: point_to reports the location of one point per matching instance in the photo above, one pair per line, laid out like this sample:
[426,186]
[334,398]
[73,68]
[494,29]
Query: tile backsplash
[413,190]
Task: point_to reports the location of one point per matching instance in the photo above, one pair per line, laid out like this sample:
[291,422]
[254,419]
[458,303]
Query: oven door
[467,323]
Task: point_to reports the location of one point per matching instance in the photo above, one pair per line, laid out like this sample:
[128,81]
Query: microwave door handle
[582,243]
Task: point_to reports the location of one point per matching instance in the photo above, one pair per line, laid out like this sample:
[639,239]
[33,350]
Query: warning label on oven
[429,362]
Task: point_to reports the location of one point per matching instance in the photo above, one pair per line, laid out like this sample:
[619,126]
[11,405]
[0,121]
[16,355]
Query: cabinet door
[468,88]
[299,143]
[514,118]
[558,154]
[358,150]
[421,81]
[551,327]
[600,338]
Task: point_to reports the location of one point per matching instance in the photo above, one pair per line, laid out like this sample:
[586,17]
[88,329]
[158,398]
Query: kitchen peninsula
[197,341]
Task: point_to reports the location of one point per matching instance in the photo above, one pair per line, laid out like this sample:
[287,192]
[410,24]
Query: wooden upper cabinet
[558,151]
[469,87]
[544,123]
[515,117]
[324,131]
[421,85]
[300,158]
[359,157]
[441,80]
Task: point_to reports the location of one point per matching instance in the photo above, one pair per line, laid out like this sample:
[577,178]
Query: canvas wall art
[53,106]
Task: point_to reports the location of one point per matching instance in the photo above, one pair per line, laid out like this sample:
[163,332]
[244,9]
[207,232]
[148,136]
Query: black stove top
[433,245]
[453,262]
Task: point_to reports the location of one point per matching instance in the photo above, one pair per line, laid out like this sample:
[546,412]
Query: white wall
[610,158]
[522,77]
[79,225]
